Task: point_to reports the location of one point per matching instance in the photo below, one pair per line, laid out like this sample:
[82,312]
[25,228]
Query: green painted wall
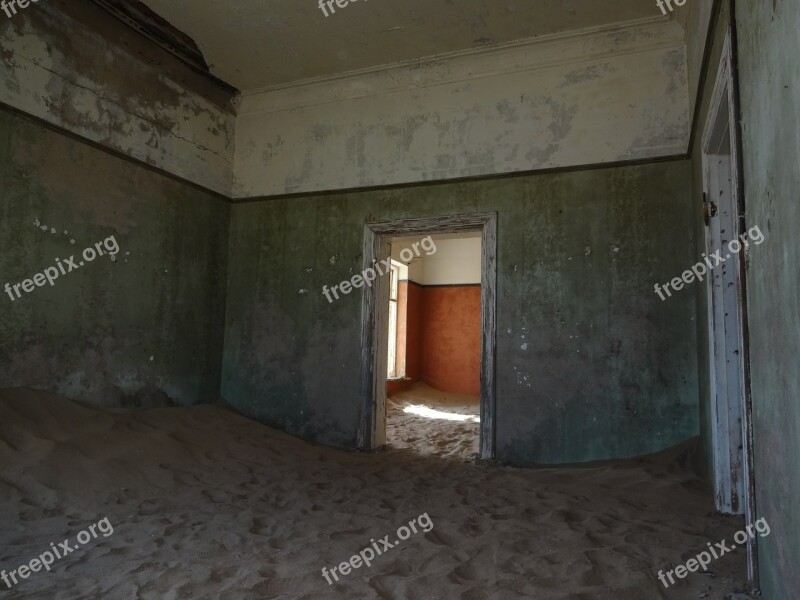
[590,363]
[144,329]
[769,46]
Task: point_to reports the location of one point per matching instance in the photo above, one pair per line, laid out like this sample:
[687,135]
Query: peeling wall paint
[144,330]
[590,363]
[593,366]
[602,95]
[585,98]
[76,67]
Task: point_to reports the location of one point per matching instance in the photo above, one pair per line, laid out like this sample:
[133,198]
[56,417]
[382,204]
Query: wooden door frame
[374,332]
[725,98]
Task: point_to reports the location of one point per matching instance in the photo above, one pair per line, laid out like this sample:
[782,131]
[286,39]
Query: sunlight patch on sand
[432,413]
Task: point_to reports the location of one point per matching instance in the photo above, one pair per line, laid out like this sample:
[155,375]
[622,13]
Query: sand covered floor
[206,504]
[433,423]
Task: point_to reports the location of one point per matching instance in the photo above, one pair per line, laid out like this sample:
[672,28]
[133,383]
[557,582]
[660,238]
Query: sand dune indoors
[207,504]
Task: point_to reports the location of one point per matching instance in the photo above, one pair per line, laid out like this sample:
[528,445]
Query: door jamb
[372,406]
[726,92]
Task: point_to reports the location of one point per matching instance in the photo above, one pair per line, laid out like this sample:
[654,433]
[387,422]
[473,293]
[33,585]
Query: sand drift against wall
[207,504]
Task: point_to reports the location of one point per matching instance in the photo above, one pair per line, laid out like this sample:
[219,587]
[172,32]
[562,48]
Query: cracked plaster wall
[594,97]
[145,329]
[78,68]
[590,363]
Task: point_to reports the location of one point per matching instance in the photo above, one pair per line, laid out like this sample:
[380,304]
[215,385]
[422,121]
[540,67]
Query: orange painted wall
[451,337]
[442,328]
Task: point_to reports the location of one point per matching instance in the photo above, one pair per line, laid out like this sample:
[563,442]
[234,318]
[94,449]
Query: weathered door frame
[731,406]
[374,329]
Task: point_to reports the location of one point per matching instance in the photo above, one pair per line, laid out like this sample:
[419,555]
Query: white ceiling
[253,44]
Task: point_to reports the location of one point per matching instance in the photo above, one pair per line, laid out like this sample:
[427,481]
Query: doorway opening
[390,358]
[434,335]
[731,408]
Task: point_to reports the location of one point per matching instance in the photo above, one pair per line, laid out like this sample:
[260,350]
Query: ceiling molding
[587,45]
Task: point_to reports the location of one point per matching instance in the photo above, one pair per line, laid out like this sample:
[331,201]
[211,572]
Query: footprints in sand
[347,534]
[218,496]
[256,514]
[151,507]
[462,574]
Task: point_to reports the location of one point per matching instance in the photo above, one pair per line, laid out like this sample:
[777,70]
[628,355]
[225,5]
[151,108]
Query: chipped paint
[284,354]
[529,106]
[127,96]
[89,337]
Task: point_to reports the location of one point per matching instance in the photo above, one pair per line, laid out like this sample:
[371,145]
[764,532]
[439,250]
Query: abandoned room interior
[488,299]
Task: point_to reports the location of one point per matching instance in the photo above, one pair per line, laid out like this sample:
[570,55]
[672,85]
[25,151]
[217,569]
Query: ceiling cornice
[592,44]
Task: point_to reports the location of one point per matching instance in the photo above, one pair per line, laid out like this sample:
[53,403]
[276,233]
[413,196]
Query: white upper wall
[457,260]
[597,96]
[415,267]
[78,68]
[695,18]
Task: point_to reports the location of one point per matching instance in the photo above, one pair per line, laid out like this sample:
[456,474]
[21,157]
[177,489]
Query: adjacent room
[494,299]
[434,379]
